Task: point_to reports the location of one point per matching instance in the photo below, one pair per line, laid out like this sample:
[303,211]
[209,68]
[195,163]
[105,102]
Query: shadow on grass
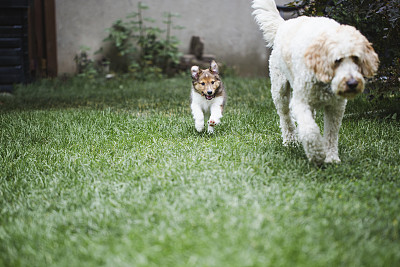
[377,109]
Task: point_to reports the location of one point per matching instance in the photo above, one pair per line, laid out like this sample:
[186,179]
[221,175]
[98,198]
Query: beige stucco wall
[226,26]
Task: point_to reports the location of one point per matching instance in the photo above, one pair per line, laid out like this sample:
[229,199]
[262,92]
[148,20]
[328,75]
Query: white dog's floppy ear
[369,61]
[195,70]
[318,60]
[214,67]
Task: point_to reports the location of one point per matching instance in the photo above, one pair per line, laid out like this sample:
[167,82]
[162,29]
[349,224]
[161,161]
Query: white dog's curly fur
[325,64]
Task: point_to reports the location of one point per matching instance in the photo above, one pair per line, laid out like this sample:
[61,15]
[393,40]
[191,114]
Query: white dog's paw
[289,140]
[315,153]
[318,159]
[332,159]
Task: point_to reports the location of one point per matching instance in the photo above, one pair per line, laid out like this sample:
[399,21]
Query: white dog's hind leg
[198,117]
[280,90]
[332,121]
[308,131]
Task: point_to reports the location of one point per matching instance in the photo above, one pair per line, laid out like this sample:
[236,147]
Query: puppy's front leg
[215,117]
[198,117]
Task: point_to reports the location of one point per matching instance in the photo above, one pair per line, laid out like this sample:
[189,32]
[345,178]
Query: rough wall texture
[227,28]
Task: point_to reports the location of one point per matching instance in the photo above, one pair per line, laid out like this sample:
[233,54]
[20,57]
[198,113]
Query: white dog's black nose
[209,92]
[352,83]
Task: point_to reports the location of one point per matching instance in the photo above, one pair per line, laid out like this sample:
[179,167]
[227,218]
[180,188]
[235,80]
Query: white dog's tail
[267,16]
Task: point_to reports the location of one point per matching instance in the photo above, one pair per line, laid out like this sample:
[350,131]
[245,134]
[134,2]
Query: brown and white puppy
[207,97]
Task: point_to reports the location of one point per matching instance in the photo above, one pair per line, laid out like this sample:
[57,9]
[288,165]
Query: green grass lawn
[113,173]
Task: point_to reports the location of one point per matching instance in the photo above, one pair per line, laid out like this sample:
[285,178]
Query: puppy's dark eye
[203,83]
[212,82]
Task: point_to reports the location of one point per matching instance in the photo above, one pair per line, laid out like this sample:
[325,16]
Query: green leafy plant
[170,54]
[148,54]
[85,66]
[89,68]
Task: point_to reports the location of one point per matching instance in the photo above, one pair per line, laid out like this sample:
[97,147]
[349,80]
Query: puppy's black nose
[352,83]
[209,92]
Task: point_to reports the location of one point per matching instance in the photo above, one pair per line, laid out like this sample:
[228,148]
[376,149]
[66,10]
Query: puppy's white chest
[204,104]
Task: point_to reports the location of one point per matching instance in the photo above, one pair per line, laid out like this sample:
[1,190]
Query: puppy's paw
[211,123]
[199,127]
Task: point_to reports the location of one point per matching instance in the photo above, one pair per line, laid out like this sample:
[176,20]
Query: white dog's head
[342,57]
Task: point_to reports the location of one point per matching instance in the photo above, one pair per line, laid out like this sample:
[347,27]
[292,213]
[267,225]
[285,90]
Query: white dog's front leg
[309,133]
[215,117]
[198,117]
[332,120]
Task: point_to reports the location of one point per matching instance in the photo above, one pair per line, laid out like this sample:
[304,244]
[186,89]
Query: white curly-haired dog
[325,64]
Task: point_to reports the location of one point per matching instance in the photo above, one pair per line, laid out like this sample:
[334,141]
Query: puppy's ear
[369,61]
[317,58]
[195,70]
[214,67]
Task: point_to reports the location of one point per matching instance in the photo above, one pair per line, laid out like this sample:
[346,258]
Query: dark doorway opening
[28,46]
